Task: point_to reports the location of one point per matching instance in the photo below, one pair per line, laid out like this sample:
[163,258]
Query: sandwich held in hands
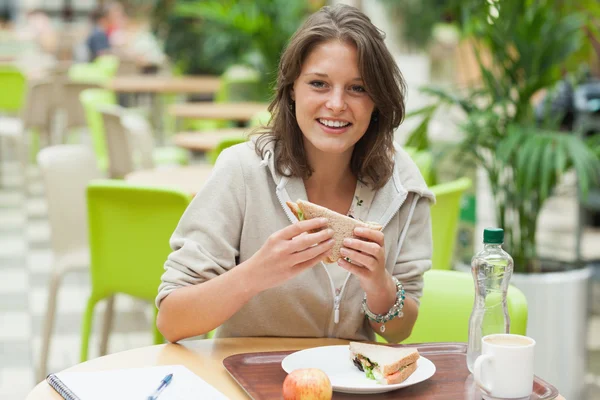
[342,225]
[385,364]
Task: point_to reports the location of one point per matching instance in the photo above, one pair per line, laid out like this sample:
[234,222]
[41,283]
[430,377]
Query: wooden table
[206,141]
[165,84]
[203,357]
[229,111]
[188,178]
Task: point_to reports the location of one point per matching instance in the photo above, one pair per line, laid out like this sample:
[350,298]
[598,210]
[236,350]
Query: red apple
[307,384]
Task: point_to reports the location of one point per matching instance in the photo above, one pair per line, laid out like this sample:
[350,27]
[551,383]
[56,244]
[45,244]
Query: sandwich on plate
[342,225]
[384,364]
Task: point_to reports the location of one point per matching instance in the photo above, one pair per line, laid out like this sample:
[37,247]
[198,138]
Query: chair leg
[158,337]
[107,324]
[22,148]
[48,324]
[86,328]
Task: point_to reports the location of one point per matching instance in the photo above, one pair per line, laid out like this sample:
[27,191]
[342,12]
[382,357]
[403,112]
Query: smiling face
[333,109]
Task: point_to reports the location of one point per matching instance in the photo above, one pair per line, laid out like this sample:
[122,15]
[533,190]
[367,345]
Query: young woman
[241,261]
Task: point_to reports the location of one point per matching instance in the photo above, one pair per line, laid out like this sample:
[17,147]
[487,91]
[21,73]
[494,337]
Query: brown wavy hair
[372,159]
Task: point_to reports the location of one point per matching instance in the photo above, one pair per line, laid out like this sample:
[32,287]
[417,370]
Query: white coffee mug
[505,367]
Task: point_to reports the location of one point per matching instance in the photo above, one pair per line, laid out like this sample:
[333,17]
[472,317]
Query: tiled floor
[25,266]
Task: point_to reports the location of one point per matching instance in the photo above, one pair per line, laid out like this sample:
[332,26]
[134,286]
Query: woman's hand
[290,251]
[367,259]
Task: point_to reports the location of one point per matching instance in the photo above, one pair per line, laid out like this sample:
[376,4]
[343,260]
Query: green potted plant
[220,33]
[529,46]
[195,46]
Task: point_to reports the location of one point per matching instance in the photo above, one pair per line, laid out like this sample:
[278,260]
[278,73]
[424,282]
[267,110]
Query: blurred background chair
[108,63]
[13,90]
[238,84]
[92,100]
[131,145]
[446,307]
[223,144]
[37,118]
[65,170]
[98,72]
[445,214]
[96,100]
[259,119]
[118,143]
[72,109]
[128,245]
[424,161]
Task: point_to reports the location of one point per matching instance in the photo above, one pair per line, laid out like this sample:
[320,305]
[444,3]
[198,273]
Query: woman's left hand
[367,259]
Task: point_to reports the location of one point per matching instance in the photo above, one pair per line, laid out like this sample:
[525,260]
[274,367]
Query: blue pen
[163,384]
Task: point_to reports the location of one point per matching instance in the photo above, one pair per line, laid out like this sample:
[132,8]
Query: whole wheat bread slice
[389,359]
[342,225]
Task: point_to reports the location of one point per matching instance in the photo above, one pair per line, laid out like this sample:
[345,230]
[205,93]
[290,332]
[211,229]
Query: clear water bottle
[492,268]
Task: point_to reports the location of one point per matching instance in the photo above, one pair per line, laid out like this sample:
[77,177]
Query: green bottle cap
[493,235]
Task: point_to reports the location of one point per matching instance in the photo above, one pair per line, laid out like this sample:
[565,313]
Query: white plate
[345,377]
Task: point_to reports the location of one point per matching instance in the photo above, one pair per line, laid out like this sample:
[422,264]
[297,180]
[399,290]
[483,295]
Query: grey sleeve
[415,255]
[205,243]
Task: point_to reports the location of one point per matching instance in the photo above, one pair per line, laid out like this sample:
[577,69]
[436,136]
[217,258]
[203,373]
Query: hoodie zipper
[337,296]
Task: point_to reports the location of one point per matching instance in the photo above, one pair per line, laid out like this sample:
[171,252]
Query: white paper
[139,383]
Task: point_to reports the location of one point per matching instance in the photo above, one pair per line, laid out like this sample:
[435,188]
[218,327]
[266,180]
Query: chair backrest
[109,63]
[261,118]
[71,103]
[13,84]
[424,161]
[89,73]
[118,143]
[223,144]
[239,83]
[142,139]
[39,106]
[92,100]
[446,306]
[66,171]
[129,230]
[444,220]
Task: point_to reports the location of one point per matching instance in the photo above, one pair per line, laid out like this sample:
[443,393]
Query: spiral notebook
[132,384]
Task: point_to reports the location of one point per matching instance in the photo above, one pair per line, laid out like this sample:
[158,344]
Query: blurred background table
[188,178]
[241,112]
[206,141]
[165,84]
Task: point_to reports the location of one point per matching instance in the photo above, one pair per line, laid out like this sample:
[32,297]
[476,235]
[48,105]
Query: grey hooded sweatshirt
[243,203]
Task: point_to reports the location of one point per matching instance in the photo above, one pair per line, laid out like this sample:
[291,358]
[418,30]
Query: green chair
[238,84]
[444,220]
[129,231]
[424,161]
[261,118]
[13,92]
[98,72]
[14,89]
[223,144]
[107,63]
[446,306]
[88,73]
[92,100]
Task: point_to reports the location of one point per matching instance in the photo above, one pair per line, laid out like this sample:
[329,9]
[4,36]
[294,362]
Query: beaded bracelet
[395,310]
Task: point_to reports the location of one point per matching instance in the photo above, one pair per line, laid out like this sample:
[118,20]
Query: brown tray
[261,376]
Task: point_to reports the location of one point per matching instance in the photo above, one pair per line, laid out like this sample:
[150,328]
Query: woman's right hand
[290,251]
